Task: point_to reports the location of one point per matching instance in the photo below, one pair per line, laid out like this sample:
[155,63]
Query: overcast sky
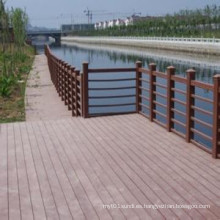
[52,13]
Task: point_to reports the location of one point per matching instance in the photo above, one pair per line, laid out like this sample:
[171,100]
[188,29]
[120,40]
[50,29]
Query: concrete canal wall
[174,44]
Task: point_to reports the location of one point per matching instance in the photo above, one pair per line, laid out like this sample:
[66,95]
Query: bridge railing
[67,81]
[153,94]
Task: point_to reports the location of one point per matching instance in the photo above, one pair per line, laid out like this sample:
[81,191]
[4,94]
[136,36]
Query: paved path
[42,100]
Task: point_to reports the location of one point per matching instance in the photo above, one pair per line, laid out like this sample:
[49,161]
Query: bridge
[56,34]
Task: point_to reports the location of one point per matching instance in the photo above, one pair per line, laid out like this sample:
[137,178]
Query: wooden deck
[73,168]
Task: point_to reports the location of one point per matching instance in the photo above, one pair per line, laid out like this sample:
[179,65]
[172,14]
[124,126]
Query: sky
[53,13]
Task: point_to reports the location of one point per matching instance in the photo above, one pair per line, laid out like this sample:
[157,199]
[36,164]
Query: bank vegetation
[15,63]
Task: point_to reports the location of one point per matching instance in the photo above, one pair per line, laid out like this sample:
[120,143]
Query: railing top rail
[179,79]
[111,70]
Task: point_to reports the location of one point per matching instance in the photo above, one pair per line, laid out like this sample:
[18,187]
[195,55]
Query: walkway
[42,101]
[55,166]
[75,168]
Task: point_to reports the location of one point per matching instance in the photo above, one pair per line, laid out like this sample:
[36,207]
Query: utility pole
[89,15]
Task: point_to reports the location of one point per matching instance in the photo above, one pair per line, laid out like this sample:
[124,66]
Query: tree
[4,26]
[19,21]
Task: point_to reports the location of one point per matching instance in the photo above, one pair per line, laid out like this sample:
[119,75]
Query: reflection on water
[108,56]
[113,57]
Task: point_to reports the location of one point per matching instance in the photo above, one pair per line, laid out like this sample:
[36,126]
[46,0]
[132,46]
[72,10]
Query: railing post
[72,90]
[58,77]
[216,115]
[61,79]
[66,84]
[189,103]
[85,90]
[138,85]
[170,95]
[81,94]
[152,88]
[76,93]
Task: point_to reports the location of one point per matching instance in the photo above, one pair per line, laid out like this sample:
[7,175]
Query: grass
[12,106]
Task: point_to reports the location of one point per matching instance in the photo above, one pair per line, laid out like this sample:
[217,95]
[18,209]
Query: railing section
[102,91]
[67,81]
[165,98]
[160,103]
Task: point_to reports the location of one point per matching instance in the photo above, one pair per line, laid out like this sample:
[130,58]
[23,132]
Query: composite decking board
[124,190]
[57,175]
[187,163]
[35,191]
[149,172]
[51,178]
[154,178]
[48,200]
[189,150]
[188,186]
[197,173]
[91,193]
[127,174]
[88,143]
[87,168]
[23,185]
[186,148]
[128,212]
[161,167]
[185,152]
[4,209]
[13,193]
[69,168]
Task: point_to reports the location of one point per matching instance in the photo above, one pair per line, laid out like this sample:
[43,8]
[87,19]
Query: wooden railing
[170,100]
[67,81]
[158,101]
[111,80]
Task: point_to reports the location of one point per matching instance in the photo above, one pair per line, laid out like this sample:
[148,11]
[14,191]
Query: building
[77,27]
[112,23]
[105,24]
[119,22]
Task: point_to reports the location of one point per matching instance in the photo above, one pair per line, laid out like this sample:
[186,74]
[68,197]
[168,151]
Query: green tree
[19,21]
[4,26]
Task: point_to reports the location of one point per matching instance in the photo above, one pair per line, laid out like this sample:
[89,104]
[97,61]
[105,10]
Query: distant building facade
[120,22]
[77,27]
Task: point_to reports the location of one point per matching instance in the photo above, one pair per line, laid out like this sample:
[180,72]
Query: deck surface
[81,168]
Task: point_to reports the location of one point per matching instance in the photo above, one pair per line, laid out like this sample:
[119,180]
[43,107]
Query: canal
[100,56]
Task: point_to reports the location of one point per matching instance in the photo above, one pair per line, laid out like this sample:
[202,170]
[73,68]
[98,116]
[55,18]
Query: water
[112,57]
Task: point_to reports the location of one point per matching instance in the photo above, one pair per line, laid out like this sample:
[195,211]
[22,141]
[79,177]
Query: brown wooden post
[152,88]
[65,83]
[85,90]
[170,95]
[72,79]
[57,71]
[62,80]
[81,94]
[216,115]
[69,89]
[190,90]
[58,77]
[76,92]
[138,84]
